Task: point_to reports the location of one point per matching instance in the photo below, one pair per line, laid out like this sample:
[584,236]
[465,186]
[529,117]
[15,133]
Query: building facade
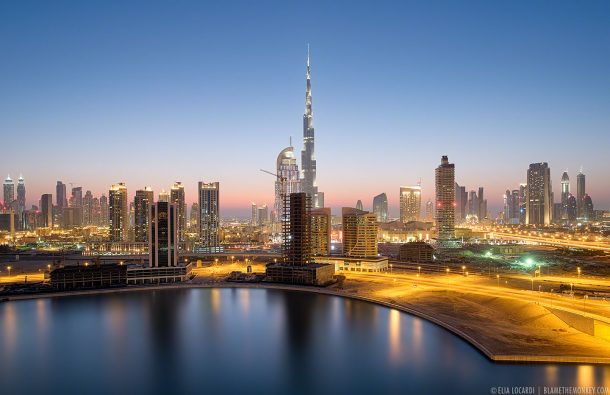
[177,198]
[142,202]
[320,231]
[359,233]
[539,205]
[380,207]
[410,203]
[445,203]
[209,218]
[163,235]
[118,214]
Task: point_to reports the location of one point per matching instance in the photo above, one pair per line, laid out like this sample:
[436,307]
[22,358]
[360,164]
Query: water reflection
[585,376]
[551,372]
[394,337]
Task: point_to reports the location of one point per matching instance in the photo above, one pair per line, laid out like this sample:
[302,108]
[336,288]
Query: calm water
[236,340]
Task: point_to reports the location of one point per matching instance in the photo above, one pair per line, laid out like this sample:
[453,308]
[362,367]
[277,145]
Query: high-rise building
[118,213]
[461,202]
[9,191]
[254,219]
[572,208]
[308,158]
[262,215]
[380,207]
[359,205]
[482,213]
[177,197]
[194,218]
[297,230]
[142,203]
[20,198]
[410,203]
[359,233]
[445,201]
[88,208]
[580,194]
[429,211]
[539,205]
[163,196]
[209,219]
[588,214]
[522,203]
[60,193]
[76,200]
[96,212]
[46,206]
[565,194]
[163,235]
[104,211]
[288,180]
[320,231]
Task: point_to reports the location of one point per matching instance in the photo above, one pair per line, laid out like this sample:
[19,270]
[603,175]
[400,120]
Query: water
[246,340]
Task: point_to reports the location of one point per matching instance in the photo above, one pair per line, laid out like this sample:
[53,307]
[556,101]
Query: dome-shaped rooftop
[287,153]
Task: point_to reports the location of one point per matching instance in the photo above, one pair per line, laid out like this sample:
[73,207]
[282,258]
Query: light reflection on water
[230,340]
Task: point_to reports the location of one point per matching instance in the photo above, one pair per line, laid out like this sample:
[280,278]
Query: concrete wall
[584,324]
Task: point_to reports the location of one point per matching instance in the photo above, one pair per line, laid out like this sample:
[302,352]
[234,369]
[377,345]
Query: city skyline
[390,101]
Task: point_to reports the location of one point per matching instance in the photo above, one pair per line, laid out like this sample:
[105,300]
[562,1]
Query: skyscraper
[262,215]
[580,194]
[194,218]
[308,158]
[482,213]
[320,231]
[46,206]
[104,211]
[359,205]
[163,235]
[163,196]
[445,203]
[461,201]
[410,203]
[76,200]
[20,198]
[380,207]
[118,214]
[297,230]
[565,194]
[522,203]
[429,211]
[359,233]
[588,214]
[539,206]
[209,219]
[177,197]
[142,202]
[254,218]
[9,191]
[88,208]
[60,193]
[288,181]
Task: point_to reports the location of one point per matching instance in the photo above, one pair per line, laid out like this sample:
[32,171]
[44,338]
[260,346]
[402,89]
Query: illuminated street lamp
[419,270]
[578,272]
[390,268]
[447,270]
[9,270]
[572,288]
[498,278]
[464,270]
[232,257]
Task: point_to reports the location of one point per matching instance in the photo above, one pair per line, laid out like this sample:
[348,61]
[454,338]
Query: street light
[419,270]
[464,270]
[498,278]
[9,270]
[447,270]
[390,268]
[578,272]
[572,288]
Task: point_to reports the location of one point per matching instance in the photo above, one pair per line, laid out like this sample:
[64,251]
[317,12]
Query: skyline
[379,90]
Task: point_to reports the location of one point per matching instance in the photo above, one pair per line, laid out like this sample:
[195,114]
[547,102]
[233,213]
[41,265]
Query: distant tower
[104,211]
[429,211]
[539,205]
[60,194]
[209,219]
[46,206]
[565,194]
[177,197]
[20,198]
[194,218]
[9,191]
[288,181]
[380,207]
[163,196]
[163,235]
[142,202]
[88,208]
[359,205]
[308,158]
[588,212]
[254,217]
[118,213]
[445,201]
[410,203]
[580,194]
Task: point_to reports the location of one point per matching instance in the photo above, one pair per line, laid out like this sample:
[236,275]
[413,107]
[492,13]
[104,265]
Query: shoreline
[506,358]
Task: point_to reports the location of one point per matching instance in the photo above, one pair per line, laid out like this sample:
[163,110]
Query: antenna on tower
[419,182]
[290,141]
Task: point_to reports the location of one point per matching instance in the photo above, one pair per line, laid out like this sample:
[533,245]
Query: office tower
[580,194]
[9,191]
[96,212]
[209,219]
[565,194]
[473,205]
[177,198]
[588,214]
[194,218]
[445,203]
[410,203]
[507,197]
[522,203]
[461,202]
[46,206]
[118,213]
[76,200]
[20,198]
[254,219]
[380,207]
[142,203]
[572,208]
[308,161]
[104,211]
[262,215]
[297,230]
[514,210]
[359,233]
[538,203]
[88,208]
[320,231]
[163,234]
[164,196]
[288,180]
[72,217]
[482,208]
[359,205]
[60,193]
[429,211]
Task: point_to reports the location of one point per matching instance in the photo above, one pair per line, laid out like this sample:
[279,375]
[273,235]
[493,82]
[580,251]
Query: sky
[148,93]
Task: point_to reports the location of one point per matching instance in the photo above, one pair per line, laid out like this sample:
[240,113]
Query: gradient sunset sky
[149,93]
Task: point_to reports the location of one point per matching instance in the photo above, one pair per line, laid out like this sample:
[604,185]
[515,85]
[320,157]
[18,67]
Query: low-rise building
[416,251]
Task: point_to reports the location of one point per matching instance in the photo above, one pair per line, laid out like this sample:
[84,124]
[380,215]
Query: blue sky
[153,92]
